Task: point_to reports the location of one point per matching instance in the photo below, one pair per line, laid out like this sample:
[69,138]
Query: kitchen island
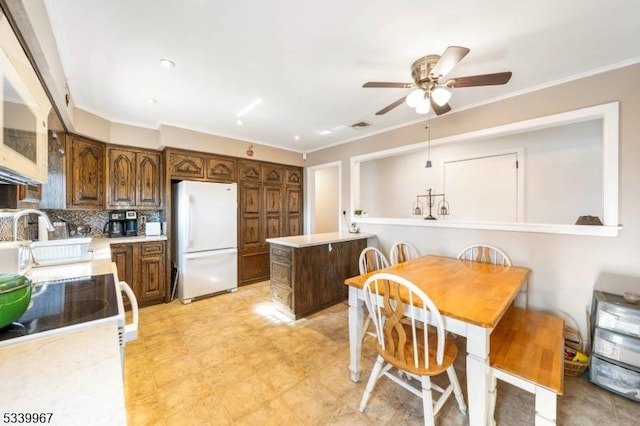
[308,271]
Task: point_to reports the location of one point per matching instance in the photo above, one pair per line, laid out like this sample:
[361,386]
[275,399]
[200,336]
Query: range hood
[7,176]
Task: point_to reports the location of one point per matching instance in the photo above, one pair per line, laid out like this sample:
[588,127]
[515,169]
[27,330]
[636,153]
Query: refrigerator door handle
[188,212]
[210,253]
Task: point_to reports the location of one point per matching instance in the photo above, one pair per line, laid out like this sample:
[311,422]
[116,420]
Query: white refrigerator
[205,225]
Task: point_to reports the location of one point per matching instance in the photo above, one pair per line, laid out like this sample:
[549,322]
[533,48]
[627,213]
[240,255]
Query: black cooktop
[57,304]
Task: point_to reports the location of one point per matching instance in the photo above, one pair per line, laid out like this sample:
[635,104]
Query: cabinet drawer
[281,294]
[152,249]
[615,378]
[614,313]
[281,274]
[618,347]
[281,253]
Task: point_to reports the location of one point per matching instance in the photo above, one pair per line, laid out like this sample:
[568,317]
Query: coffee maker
[131,223]
[115,227]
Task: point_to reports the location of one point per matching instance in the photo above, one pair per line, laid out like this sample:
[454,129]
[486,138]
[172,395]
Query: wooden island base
[308,271]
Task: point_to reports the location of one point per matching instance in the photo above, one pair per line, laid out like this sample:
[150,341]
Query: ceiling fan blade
[448,60]
[391,106]
[439,110]
[389,84]
[479,80]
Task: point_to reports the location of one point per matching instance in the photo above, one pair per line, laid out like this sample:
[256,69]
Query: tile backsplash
[96,219]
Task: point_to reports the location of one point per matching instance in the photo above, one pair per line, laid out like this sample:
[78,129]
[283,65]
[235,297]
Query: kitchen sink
[58,252]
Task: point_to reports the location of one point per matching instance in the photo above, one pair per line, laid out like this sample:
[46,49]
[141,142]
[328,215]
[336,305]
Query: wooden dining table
[471,296]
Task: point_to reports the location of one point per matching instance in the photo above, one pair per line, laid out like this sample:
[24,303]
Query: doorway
[324,198]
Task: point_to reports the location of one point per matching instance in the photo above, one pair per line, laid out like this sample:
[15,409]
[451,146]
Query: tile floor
[232,360]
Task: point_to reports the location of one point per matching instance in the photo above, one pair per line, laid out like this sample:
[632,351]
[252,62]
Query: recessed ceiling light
[167,63]
[240,123]
[252,105]
[324,132]
[296,137]
[152,101]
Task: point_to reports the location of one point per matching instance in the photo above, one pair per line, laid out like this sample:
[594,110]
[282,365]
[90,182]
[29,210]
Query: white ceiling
[307,60]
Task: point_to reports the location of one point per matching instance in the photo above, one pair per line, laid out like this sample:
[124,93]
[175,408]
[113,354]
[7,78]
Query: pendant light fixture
[428,164]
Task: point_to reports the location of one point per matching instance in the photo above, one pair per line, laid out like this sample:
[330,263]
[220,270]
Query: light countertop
[298,241]
[77,376]
[100,262]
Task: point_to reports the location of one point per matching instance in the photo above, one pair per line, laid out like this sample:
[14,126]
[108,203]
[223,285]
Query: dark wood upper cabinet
[148,183]
[121,178]
[294,176]
[272,174]
[250,171]
[85,173]
[187,165]
[133,178]
[221,169]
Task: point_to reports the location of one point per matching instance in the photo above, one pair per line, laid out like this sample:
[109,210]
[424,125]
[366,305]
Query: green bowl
[15,294]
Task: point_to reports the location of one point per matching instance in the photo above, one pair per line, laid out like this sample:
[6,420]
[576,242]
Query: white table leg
[356,319]
[478,374]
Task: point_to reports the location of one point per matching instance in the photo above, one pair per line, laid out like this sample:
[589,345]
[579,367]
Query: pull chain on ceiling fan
[430,93]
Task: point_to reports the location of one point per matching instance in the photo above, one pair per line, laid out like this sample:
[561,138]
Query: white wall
[562,173]
[565,268]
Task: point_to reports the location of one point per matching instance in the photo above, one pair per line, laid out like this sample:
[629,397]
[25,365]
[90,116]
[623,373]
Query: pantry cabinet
[270,207]
[269,201]
[142,266]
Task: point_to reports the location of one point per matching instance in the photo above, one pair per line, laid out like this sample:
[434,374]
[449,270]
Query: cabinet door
[293,211]
[85,173]
[273,210]
[293,176]
[148,182]
[150,286]
[186,165]
[251,231]
[122,255]
[221,169]
[250,171]
[272,174]
[121,178]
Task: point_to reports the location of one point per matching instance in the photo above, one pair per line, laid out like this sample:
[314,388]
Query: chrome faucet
[24,212]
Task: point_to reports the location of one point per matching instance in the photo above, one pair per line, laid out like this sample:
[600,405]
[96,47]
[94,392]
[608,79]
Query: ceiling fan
[431,92]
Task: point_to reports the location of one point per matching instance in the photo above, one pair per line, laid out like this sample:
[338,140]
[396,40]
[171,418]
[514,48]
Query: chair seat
[450,353]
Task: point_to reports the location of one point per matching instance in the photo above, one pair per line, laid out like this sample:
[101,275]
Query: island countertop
[298,241]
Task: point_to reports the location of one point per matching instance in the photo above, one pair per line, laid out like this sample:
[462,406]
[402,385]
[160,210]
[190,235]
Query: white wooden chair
[490,254]
[417,351]
[371,259]
[401,252]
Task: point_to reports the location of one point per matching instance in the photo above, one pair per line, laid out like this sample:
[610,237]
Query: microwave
[23,114]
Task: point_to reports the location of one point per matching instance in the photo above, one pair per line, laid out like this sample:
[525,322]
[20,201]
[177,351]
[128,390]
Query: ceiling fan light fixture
[441,96]
[424,106]
[414,98]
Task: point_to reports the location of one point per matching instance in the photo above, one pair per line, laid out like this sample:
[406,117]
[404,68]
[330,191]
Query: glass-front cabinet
[23,113]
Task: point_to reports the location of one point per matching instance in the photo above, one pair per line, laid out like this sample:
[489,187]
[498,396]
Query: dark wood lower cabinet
[142,266]
[307,279]
[253,266]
